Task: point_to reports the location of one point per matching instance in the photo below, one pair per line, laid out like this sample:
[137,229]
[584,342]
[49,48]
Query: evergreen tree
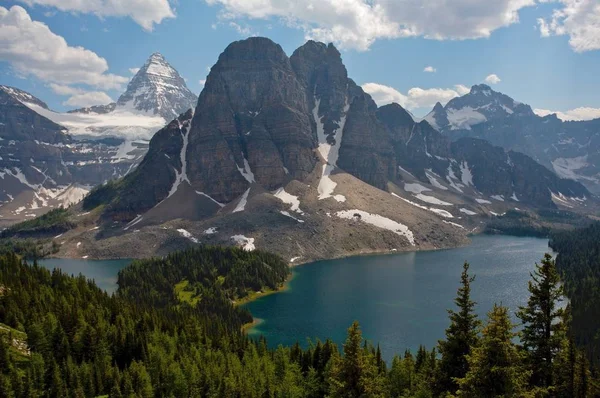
[461,335]
[496,367]
[355,374]
[543,329]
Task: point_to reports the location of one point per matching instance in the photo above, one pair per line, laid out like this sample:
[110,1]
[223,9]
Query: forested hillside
[579,263]
[171,330]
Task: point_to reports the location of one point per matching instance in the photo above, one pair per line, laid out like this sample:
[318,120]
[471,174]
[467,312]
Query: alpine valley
[287,154]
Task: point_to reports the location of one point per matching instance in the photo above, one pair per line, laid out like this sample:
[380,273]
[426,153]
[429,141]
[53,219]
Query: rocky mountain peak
[157,89]
[23,96]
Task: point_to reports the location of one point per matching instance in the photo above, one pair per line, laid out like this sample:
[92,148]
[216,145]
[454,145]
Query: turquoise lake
[103,272]
[400,300]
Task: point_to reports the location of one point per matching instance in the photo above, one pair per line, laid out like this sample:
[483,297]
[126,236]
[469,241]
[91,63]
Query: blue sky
[540,52]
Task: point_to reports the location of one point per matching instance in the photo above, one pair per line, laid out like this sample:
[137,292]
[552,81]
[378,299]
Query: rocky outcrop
[18,122]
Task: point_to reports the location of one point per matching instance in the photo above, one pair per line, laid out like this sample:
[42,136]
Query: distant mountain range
[49,159]
[290,155]
[571,149]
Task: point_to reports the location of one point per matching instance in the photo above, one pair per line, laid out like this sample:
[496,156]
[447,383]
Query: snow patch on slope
[415,188]
[329,152]
[431,176]
[247,244]
[188,235]
[439,212]
[181,176]
[432,200]
[242,203]
[464,118]
[290,199]
[378,221]
[465,174]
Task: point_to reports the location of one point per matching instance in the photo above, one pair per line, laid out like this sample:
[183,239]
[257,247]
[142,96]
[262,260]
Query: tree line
[62,336]
[578,262]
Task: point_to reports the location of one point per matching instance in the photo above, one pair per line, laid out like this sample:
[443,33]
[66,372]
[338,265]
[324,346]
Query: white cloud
[33,49]
[202,82]
[461,89]
[430,69]
[133,71]
[493,79]
[579,19]
[88,99]
[80,97]
[357,24]
[61,89]
[245,31]
[581,113]
[145,13]
[415,97]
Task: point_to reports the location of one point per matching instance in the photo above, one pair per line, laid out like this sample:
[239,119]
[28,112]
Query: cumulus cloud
[493,79]
[581,113]
[415,98]
[357,24]
[579,19]
[33,49]
[461,89]
[133,71]
[86,99]
[430,69]
[145,13]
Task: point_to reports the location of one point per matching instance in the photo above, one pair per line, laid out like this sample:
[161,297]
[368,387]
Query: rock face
[265,119]
[571,149]
[158,89]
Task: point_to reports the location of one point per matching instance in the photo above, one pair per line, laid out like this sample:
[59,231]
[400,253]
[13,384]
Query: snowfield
[242,203]
[464,118]
[329,152]
[119,123]
[432,200]
[247,244]
[378,221]
[187,235]
[289,199]
[415,188]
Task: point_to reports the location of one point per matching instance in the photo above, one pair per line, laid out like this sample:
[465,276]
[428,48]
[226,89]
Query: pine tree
[355,374]
[543,329]
[461,335]
[496,367]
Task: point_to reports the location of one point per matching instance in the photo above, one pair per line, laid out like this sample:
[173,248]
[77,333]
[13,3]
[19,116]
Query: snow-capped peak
[23,96]
[157,89]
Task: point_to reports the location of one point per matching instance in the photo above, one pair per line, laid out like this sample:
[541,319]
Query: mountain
[157,89]
[288,154]
[42,166]
[571,149]
[49,159]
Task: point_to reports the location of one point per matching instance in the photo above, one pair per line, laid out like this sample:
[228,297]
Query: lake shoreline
[400,301]
[255,296]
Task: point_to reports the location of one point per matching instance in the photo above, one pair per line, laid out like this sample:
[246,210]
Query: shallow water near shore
[400,300]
